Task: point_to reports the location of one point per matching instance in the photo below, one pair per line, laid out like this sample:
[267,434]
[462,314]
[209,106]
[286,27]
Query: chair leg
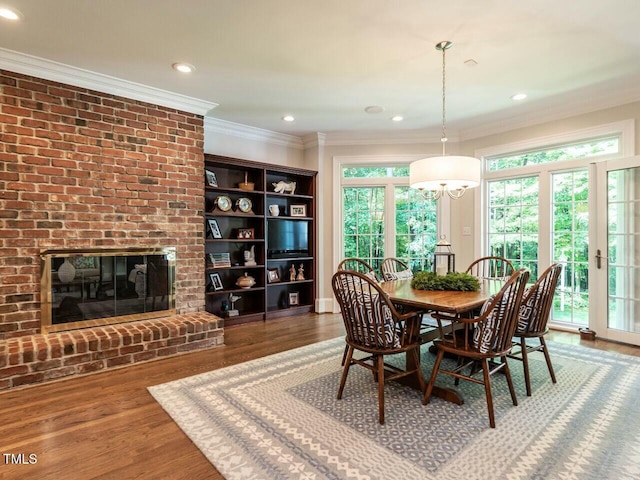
[432,380]
[380,363]
[345,370]
[512,390]
[525,363]
[487,389]
[548,359]
[344,355]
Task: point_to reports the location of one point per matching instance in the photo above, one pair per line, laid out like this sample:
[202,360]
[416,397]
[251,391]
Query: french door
[616,260]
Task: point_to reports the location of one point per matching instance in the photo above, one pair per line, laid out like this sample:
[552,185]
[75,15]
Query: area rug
[277,417]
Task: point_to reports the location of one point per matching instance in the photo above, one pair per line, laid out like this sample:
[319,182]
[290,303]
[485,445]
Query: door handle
[599,258]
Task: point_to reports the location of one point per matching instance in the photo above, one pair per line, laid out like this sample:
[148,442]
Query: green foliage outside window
[556,154]
[416,228]
[513,221]
[374,172]
[364,224]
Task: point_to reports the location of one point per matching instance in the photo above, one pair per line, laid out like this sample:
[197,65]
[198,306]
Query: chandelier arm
[456,194]
[430,194]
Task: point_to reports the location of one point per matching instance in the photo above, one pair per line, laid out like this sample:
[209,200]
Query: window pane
[570,245]
[375,172]
[513,221]
[415,228]
[363,224]
[585,149]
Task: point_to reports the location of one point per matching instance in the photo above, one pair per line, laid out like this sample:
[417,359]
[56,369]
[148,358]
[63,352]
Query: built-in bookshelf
[260,232]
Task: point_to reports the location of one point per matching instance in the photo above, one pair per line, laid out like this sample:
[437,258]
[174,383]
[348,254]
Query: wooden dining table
[454,303]
[443,301]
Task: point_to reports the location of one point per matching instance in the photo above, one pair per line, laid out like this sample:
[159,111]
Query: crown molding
[383,138]
[554,110]
[312,140]
[59,72]
[224,127]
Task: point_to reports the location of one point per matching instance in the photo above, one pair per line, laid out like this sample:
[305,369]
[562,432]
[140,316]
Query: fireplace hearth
[94,287]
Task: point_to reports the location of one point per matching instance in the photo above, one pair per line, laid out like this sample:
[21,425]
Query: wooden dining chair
[491,267]
[395,269]
[360,266]
[533,318]
[375,327]
[491,339]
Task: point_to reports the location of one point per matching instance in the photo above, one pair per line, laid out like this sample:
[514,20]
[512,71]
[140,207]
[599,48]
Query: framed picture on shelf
[212,181]
[214,228]
[246,233]
[216,281]
[293,298]
[273,275]
[298,210]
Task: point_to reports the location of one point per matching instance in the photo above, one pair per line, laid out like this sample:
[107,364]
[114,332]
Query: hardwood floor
[107,426]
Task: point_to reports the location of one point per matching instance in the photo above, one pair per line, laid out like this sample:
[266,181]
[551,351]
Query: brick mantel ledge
[40,358]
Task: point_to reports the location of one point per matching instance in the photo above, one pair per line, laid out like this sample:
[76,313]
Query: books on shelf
[220,260]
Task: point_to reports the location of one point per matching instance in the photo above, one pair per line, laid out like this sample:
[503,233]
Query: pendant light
[433,176]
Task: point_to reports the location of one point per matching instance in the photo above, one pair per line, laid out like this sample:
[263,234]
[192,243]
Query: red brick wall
[81,169]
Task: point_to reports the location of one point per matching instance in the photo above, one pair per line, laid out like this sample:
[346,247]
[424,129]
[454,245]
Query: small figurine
[250,256]
[284,187]
[292,273]
[300,275]
[232,300]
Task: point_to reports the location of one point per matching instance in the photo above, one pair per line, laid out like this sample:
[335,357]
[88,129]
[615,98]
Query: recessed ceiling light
[397,118]
[288,118]
[519,96]
[9,13]
[183,67]
[374,109]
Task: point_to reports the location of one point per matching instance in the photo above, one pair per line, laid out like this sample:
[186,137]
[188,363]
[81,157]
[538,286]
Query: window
[536,208]
[584,149]
[415,227]
[513,221]
[383,217]
[363,222]
[570,244]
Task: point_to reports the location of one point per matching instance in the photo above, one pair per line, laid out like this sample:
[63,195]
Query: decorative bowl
[246,281]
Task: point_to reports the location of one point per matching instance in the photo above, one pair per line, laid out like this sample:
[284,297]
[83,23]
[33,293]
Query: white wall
[249,143]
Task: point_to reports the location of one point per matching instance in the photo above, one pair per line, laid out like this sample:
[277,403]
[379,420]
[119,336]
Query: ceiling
[325,61]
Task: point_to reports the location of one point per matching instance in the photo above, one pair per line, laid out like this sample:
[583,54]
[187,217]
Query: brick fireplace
[80,169]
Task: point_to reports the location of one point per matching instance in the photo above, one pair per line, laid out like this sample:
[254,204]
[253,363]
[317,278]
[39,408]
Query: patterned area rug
[278,418]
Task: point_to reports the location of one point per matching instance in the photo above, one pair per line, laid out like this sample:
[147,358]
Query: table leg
[448,394]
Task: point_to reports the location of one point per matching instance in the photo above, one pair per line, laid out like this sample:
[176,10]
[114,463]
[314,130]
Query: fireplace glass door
[87,288]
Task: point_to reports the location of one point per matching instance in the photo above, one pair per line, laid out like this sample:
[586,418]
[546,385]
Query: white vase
[66,272]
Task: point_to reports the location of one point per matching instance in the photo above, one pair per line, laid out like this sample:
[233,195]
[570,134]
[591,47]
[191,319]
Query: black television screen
[288,238]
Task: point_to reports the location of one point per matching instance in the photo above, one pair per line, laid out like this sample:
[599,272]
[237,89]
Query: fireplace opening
[85,288]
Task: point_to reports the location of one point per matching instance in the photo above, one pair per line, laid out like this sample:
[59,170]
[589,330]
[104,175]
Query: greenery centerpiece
[462,282]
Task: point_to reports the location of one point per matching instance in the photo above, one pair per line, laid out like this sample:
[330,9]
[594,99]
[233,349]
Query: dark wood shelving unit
[278,241]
